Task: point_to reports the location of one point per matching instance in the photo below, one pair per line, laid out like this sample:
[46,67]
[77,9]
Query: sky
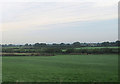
[58,21]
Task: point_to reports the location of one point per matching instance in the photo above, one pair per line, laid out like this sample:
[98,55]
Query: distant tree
[42,44]
[26,44]
[105,44]
[36,45]
[117,43]
[62,44]
[76,44]
[10,45]
[54,44]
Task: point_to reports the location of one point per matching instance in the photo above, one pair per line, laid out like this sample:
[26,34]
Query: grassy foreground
[61,68]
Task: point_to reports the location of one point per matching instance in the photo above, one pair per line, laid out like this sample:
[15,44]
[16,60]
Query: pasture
[60,68]
[96,47]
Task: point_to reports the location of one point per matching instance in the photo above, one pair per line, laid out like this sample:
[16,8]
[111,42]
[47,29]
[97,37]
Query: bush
[53,50]
[71,50]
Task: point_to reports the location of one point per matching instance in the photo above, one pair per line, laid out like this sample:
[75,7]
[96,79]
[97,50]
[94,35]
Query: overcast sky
[56,22]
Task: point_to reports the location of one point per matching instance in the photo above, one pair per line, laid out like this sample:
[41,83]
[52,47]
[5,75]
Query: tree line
[53,51]
[63,45]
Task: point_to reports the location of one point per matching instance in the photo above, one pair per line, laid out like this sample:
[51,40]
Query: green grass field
[61,68]
[95,47]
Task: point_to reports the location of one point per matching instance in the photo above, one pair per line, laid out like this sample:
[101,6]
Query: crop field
[61,68]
